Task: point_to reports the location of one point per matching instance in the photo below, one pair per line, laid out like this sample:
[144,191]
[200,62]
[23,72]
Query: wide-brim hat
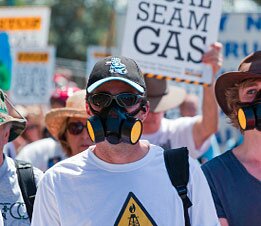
[249,68]
[17,124]
[75,108]
[163,96]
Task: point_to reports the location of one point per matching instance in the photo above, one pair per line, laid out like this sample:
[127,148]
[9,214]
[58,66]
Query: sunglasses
[75,128]
[125,100]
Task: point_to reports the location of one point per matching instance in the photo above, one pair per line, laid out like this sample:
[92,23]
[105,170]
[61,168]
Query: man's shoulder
[69,165]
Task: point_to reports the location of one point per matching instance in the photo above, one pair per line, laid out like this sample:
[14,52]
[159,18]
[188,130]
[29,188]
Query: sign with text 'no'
[26,26]
[32,75]
[168,37]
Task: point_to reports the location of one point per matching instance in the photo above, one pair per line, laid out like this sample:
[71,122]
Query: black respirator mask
[115,124]
[249,115]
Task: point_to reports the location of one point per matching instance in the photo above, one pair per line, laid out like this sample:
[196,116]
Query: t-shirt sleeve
[210,180]
[181,135]
[203,210]
[45,208]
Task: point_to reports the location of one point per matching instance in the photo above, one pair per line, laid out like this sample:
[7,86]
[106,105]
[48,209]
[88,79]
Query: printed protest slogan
[26,26]
[169,37]
[240,34]
[32,75]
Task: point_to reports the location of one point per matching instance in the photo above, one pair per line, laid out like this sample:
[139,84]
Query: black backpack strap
[177,164]
[27,184]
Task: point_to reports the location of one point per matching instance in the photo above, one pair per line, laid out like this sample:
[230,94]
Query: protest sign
[26,26]
[5,62]
[32,75]
[168,37]
[96,53]
[240,34]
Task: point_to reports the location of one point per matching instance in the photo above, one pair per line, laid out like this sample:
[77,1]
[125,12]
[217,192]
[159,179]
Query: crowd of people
[97,156]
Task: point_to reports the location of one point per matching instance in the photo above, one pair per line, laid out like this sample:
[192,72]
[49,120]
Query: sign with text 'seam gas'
[26,26]
[32,75]
[168,37]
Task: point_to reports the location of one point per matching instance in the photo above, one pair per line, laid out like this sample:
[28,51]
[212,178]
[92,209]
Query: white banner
[240,34]
[26,26]
[96,53]
[32,75]
[169,37]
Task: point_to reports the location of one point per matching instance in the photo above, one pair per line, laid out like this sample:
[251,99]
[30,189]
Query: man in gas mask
[235,176]
[121,180]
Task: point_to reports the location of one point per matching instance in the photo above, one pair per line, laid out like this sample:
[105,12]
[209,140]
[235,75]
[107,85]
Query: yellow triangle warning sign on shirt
[133,213]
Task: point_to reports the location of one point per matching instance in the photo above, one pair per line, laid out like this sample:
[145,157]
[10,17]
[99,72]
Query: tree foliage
[77,24]
[257,1]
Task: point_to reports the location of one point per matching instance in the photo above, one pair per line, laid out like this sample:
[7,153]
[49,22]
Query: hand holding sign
[170,38]
[214,57]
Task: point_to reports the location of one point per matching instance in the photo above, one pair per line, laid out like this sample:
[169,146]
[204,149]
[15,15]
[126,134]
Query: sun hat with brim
[162,96]
[116,68]
[249,68]
[75,108]
[17,125]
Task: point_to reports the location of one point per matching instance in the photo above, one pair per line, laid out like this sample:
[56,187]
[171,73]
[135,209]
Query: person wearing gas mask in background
[235,176]
[121,180]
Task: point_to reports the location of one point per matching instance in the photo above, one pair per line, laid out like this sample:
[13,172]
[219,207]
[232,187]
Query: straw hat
[162,96]
[75,107]
[249,68]
[17,124]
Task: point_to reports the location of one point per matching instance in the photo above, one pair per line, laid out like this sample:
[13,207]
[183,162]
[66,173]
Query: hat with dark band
[162,96]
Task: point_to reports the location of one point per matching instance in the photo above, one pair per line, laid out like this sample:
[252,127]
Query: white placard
[240,34]
[26,26]
[32,75]
[169,37]
[96,53]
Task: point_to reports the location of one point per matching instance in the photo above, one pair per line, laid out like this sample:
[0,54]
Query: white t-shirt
[176,133]
[1,220]
[12,207]
[86,191]
[43,153]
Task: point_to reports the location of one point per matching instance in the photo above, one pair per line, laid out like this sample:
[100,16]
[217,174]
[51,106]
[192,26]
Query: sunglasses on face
[75,128]
[125,100]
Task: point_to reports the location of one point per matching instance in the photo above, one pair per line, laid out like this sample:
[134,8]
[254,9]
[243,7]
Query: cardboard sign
[26,26]
[32,75]
[168,37]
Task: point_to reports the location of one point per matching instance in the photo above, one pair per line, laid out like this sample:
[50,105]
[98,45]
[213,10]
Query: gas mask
[249,115]
[115,124]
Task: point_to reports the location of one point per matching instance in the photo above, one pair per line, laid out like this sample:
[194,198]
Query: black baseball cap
[116,68]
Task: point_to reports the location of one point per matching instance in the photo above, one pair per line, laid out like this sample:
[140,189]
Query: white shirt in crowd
[84,190]
[176,133]
[1,220]
[43,153]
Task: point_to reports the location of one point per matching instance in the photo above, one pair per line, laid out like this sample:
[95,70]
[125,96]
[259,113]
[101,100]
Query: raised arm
[207,124]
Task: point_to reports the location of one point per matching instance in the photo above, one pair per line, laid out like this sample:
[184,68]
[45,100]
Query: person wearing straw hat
[68,126]
[191,132]
[235,176]
[12,204]
[121,180]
